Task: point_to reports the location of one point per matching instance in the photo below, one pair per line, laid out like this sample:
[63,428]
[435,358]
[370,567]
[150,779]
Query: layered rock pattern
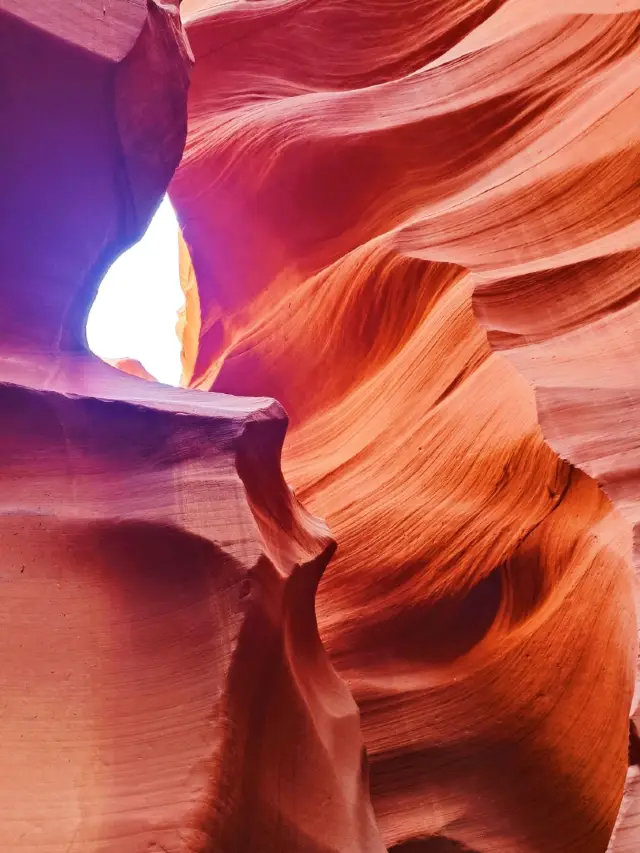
[363,185]
[163,683]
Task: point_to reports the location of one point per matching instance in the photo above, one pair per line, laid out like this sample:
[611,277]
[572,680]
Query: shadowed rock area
[364,186]
[415,226]
[163,684]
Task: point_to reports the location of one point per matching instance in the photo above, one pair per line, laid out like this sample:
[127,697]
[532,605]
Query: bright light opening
[136,310]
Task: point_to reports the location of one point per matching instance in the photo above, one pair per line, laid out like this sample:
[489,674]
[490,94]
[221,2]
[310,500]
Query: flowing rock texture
[365,184]
[163,685]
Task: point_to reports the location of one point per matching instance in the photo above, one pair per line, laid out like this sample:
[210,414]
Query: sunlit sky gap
[135,312]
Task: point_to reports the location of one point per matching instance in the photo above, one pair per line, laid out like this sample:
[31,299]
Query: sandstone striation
[362,183]
[163,684]
[415,225]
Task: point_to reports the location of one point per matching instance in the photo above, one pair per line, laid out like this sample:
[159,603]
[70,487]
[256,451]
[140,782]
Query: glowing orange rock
[353,174]
[132,367]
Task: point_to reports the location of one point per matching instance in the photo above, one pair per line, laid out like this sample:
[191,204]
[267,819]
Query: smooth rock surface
[354,175]
[163,686]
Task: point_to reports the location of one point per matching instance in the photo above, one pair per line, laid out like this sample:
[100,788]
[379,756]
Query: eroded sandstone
[163,683]
[353,178]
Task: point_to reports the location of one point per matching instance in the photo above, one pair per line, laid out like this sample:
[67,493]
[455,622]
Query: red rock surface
[365,186]
[131,366]
[163,686]
[354,174]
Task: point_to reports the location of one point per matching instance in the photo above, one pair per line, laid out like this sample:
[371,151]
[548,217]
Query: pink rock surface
[163,684]
[364,186]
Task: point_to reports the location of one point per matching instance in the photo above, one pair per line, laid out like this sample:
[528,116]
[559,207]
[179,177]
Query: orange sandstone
[364,187]
[363,182]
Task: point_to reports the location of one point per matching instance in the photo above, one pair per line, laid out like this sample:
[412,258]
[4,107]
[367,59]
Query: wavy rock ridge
[362,183]
[163,684]
[354,175]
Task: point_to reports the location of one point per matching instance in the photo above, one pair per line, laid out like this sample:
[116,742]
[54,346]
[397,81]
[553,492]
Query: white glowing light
[135,312]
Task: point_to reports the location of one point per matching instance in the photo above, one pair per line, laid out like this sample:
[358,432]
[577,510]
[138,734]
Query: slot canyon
[365,581]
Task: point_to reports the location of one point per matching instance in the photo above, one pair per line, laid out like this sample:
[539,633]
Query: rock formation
[131,366]
[163,684]
[366,187]
[355,175]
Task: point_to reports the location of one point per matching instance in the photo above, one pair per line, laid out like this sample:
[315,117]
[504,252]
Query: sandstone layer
[357,179]
[163,684]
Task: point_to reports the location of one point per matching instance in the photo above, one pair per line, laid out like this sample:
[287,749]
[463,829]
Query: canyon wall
[365,186]
[163,685]
[415,225]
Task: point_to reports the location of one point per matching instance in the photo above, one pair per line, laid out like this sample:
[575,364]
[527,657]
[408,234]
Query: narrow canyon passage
[365,578]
